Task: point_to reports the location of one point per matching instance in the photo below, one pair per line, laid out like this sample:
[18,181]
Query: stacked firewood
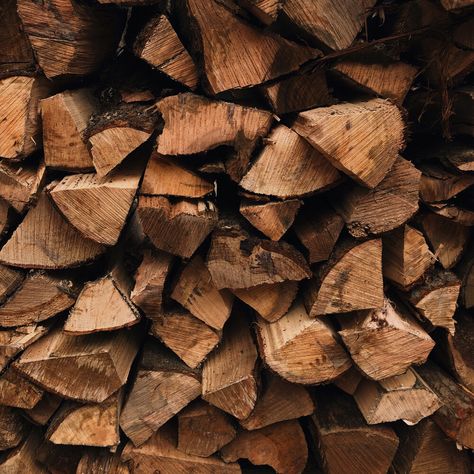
[236,234]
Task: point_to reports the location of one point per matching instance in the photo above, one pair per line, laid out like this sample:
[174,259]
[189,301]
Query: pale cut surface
[361,139]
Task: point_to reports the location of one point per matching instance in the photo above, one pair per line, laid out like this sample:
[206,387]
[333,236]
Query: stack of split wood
[236,234]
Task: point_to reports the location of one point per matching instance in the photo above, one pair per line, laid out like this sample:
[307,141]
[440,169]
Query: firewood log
[229,386]
[84,368]
[238,260]
[351,280]
[189,338]
[178,228]
[203,429]
[384,208]
[335,24]
[87,425]
[462,34]
[279,401]
[406,256]
[455,4]
[23,457]
[16,391]
[163,386]
[456,415]
[465,272]
[252,56]
[348,381]
[462,120]
[401,397]
[271,301]
[57,458]
[336,132]
[42,412]
[265,10]
[19,184]
[459,156]
[159,45]
[5,217]
[13,428]
[347,444]
[101,462]
[160,454]
[197,292]
[65,117]
[20,129]
[194,124]
[301,349]
[453,212]
[281,446]
[77,37]
[44,239]
[10,279]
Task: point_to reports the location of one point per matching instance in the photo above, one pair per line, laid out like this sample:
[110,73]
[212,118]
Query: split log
[384,208]
[346,443]
[58,459]
[203,429]
[351,280]
[160,454]
[459,156]
[465,271]
[301,349]
[16,391]
[39,297]
[361,139]
[333,24]
[265,10]
[229,386]
[272,301]
[20,129]
[385,342]
[189,338]
[23,457]
[448,239]
[455,4]
[281,446]
[150,279]
[273,218]
[252,56]
[159,45]
[237,260]
[178,228]
[101,462]
[163,386]
[10,279]
[65,117]
[318,230]
[456,415]
[44,239]
[297,93]
[87,425]
[453,212]
[348,381]
[85,368]
[42,412]
[196,291]
[77,39]
[462,120]
[167,177]
[402,397]
[5,216]
[287,154]
[194,124]
[424,448]
[279,401]
[13,428]
[19,184]
[435,298]
[406,256]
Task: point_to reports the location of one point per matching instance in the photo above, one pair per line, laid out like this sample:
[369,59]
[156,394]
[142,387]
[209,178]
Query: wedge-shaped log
[252,56]
[196,291]
[10,279]
[44,239]
[194,124]
[16,391]
[13,428]
[385,342]
[163,386]
[77,38]
[265,10]
[23,457]
[465,271]
[387,206]
[279,401]
[101,461]
[85,368]
[347,444]
[281,446]
[203,429]
[288,155]
[65,117]
[351,280]
[237,260]
[229,386]
[301,349]
[178,228]
[42,412]
[361,139]
[349,380]
[406,256]
[159,45]
[402,397]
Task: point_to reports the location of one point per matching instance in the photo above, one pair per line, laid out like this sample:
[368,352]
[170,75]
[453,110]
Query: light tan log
[10,279]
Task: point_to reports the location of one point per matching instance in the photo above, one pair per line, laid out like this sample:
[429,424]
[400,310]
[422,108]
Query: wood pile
[236,236]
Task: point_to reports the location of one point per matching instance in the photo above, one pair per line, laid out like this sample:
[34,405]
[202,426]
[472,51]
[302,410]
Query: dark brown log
[42,412]
[58,459]
[465,271]
[265,10]
[13,428]
[348,381]
[101,462]
[16,391]
[10,279]
[455,4]
[23,457]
